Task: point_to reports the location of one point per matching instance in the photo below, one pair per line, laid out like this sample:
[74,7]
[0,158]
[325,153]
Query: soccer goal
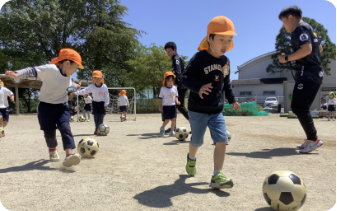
[113,112]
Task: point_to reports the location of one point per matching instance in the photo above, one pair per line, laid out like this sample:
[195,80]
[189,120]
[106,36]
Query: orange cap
[218,25]
[167,74]
[69,54]
[97,74]
[122,93]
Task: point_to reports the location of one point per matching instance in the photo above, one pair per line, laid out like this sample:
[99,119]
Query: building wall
[258,90]
[257,69]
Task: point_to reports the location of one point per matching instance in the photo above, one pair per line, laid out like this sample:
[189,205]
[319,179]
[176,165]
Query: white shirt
[99,93]
[332,101]
[122,101]
[88,100]
[55,84]
[4,94]
[168,95]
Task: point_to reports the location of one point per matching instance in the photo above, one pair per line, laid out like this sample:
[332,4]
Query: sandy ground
[135,169]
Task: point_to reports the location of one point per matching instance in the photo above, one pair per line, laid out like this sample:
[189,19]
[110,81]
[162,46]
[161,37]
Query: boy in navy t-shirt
[207,78]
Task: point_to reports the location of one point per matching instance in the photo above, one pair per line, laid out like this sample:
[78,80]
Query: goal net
[113,112]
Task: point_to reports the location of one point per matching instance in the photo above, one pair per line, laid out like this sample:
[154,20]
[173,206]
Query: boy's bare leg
[165,123]
[125,114]
[4,124]
[219,155]
[69,151]
[1,121]
[192,151]
[173,124]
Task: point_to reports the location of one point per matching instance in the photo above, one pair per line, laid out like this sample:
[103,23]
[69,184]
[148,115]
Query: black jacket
[202,69]
[178,69]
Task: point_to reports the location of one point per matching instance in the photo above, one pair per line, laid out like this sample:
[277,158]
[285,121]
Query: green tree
[283,45]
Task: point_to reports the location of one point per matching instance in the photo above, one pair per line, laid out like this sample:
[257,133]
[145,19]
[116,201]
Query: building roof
[255,59]
[258,81]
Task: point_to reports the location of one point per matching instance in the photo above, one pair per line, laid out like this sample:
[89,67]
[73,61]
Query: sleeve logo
[225,70]
[177,62]
[304,37]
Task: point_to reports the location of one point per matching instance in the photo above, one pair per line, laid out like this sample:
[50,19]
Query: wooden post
[17,99]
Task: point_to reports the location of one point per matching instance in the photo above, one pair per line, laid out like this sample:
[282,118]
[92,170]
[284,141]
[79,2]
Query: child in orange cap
[53,109]
[168,98]
[100,95]
[123,103]
[207,78]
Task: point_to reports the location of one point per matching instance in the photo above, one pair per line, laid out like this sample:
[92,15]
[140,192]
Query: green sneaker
[221,181]
[190,166]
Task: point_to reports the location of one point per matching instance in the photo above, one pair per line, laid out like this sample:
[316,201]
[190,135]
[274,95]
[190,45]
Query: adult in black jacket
[178,70]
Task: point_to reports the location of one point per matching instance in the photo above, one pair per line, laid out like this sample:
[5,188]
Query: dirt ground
[135,169]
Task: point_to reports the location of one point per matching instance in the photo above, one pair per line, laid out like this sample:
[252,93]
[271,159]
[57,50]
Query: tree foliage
[283,45]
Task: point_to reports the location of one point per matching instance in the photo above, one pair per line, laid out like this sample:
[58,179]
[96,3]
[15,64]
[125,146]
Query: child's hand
[178,102]
[117,106]
[12,98]
[105,107]
[78,87]
[72,94]
[11,74]
[160,109]
[205,89]
[236,106]
[282,59]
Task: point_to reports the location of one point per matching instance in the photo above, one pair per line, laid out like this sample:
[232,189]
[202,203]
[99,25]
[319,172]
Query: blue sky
[256,23]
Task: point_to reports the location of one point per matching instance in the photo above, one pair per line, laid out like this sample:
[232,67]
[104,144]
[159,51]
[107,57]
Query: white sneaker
[311,146]
[172,134]
[72,160]
[54,156]
[88,120]
[302,145]
[328,118]
[333,119]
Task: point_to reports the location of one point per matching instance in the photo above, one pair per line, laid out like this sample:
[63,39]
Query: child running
[332,106]
[88,106]
[123,103]
[100,94]
[4,113]
[207,78]
[53,109]
[168,99]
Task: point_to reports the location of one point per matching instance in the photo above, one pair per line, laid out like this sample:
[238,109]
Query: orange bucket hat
[68,54]
[218,25]
[97,74]
[122,93]
[166,75]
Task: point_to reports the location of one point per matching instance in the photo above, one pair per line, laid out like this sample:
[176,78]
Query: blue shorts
[169,112]
[98,107]
[87,107]
[199,122]
[5,114]
[331,108]
[123,108]
[50,115]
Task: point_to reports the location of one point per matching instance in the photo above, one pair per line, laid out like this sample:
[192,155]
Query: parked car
[270,101]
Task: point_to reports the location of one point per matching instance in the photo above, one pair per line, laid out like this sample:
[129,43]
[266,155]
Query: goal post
[113,113]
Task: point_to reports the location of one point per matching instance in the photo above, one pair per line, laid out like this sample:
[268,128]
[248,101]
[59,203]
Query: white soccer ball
[103,129]
[88,147]
[81,119]
[284,190]
[229,135]
[182,133]
[71,119]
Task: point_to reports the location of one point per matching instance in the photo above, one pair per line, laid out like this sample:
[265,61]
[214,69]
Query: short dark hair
[291,10]
[170,45]
[71,62]
[211,36]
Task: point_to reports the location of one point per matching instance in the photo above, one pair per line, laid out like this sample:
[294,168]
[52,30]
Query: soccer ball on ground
[182,133]
[71,119]
[103,129]
[229,135]
[88,147]
[284,190]
[82,119]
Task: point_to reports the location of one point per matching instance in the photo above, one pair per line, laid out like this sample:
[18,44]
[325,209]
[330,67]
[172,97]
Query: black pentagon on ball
[184,130]
[82,150]
[296,180]
[266,197]
[81,141]
[272,180]
[90,142]
[303,200]
[187,135]
[177,130]
[181,136]
[286,198]
[93,152]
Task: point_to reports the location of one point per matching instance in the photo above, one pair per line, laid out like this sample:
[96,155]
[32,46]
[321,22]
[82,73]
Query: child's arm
[9,93]
[176,100]
[188,78]
[86,90]
[228,88]
[118,102]
[127,101]
[38,71]
[106,98]
[160,104]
